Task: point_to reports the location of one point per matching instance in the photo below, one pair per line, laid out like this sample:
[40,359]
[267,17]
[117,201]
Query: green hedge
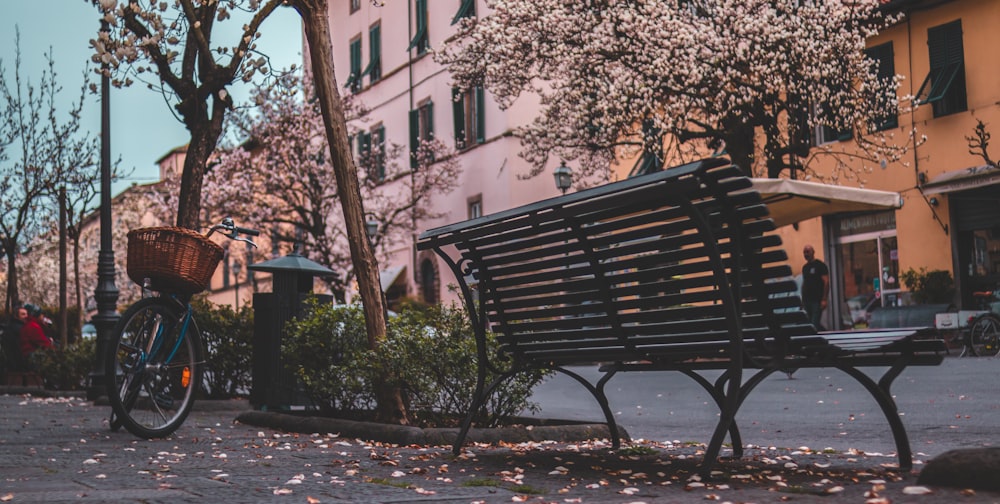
[429,353]
[228,339]
[66,368]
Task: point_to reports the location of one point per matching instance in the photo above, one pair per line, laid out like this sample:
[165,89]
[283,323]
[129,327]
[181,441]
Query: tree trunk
[205,131]
[390,407]
[77,289]
[9,250]
[739,145]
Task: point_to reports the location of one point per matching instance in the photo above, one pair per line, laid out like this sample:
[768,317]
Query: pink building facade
[384,54]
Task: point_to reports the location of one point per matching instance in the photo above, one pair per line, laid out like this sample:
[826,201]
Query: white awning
[388,276]
[790,201]
[960,180]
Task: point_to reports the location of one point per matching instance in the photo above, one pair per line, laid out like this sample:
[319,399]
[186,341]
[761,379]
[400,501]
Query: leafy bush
[228,339]
[934,286]
[429,353]
[66,368]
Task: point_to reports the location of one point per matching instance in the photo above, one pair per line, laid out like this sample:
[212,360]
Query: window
[364,149]
[652,153]
[823,134]
[421,129]
[466,9]
[468,113]
[420,40]
[885,69]
[374,68]
[944,86]
[475,204]
[371,152]
[354,81]
[378,153]
[355,6]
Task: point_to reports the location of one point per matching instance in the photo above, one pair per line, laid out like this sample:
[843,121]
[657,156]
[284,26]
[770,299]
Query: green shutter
[420,40]
[458,116]
[354,81]
[946,54]
[380,161]
[430,120]
[414,136]
[480,115]
[373,70]
[467,9]
[885,69]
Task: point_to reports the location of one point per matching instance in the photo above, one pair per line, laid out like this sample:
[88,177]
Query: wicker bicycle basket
[174,259]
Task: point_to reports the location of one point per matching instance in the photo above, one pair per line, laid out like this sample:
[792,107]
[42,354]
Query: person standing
[33,337]
[815,286]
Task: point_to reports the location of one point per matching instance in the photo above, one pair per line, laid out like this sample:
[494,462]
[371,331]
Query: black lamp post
[237,268]
[564,177]
[106,293]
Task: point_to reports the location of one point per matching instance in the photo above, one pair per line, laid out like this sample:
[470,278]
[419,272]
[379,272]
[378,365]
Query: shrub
[228,339]
[934,286]
[429,353]
[66,368]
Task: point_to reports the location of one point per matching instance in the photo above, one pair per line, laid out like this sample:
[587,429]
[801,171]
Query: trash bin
[274,387]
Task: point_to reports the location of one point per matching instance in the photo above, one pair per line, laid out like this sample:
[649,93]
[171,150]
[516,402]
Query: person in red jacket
[32,335]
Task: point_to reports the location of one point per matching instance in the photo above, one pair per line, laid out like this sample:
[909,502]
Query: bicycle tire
[150,395]
[984,335]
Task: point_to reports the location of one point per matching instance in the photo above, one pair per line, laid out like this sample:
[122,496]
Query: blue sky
[142,126]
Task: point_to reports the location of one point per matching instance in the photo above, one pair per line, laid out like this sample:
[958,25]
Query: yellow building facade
[950,216]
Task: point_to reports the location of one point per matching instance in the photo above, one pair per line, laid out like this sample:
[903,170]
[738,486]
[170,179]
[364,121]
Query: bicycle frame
[154,343]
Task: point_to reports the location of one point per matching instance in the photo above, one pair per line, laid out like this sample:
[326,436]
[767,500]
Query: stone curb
[975,468]
[408,435]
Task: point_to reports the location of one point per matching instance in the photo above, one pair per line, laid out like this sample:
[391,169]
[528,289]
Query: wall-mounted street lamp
[564,177]
[371,226]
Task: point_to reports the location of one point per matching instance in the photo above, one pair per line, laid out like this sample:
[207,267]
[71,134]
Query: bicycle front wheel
[153,367]
[984,335]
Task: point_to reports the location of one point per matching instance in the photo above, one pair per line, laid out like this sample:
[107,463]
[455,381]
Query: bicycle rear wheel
[153,367]
[984,335]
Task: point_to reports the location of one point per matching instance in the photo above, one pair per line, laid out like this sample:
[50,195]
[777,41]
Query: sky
[143,128]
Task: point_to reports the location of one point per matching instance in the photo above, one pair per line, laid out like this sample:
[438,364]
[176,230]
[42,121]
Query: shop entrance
[977,239]
[867,259]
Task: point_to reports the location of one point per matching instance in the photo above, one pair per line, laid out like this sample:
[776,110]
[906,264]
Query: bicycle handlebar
[233,232]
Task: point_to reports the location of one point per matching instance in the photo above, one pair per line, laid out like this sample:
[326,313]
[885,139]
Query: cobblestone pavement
[61,450]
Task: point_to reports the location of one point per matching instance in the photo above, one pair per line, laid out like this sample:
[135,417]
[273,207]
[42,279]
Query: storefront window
[867,266]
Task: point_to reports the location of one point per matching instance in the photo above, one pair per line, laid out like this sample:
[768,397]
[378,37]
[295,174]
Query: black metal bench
[668,271]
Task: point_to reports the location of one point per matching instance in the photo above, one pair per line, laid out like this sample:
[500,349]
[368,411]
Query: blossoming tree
[280,177]
[170,47]
[683,78]
[42,149]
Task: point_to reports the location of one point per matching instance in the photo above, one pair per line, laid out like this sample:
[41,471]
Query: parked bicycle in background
[983,336]
[155,357]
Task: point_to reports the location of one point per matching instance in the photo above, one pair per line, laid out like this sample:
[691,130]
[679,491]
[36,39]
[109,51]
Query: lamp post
[564,177]
[106,293]
[237,267]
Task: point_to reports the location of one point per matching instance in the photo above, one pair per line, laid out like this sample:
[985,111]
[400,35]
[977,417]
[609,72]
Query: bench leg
[602,400]
[728,406]
[880,392]
[717,391]
[478,401]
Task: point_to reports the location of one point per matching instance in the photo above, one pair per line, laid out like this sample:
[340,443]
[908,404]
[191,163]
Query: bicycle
[154,359]
[983,336]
